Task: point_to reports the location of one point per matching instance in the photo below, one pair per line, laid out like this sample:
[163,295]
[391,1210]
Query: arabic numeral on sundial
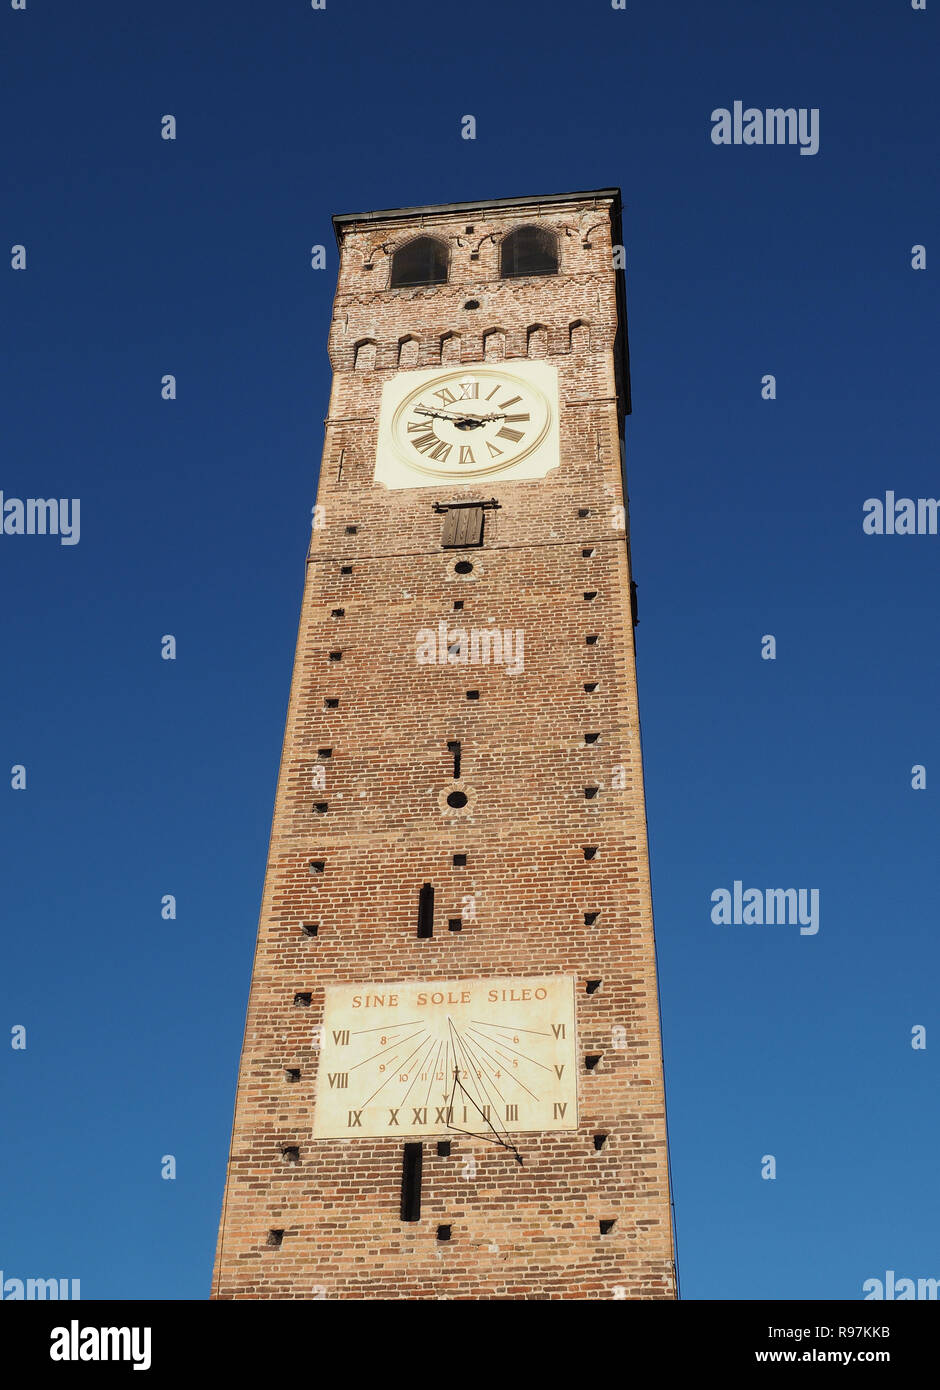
[469,1169]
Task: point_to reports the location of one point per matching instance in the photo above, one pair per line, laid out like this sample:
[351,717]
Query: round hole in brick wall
[457,800]
[463,567]
[472,304]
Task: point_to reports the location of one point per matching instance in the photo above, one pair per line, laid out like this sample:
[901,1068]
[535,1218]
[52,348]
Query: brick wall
[381,826]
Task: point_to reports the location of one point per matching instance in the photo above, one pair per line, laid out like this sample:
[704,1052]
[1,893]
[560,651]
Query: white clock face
[470,422]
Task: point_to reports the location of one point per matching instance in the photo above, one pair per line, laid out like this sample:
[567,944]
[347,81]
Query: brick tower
[451,1081]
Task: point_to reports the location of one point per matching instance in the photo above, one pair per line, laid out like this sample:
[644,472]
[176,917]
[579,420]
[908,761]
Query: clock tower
[451,1080]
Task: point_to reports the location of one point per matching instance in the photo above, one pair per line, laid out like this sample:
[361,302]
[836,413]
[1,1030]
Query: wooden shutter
[463,526]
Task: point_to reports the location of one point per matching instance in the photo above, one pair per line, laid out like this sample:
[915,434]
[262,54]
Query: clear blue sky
[148,777]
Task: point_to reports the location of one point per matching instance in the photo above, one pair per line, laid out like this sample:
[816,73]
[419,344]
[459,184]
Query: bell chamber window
[420,262]
[528,251]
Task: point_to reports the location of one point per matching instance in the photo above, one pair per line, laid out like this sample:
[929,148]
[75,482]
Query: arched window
[494,345]
[528,251]
[408,352]
[420,262]
[450,347]
[579,336]
[537,340]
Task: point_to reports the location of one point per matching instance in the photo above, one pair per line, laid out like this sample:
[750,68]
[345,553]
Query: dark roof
[342,220]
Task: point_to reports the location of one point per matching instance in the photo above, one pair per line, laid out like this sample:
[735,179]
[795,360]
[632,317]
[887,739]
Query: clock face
[469,423]
[485,1057]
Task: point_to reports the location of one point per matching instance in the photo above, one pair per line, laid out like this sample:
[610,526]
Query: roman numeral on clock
[506,433]
[466,454]
[339,1079]
[430,444]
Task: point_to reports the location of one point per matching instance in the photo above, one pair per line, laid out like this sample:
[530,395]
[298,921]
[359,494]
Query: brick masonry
[518,1232]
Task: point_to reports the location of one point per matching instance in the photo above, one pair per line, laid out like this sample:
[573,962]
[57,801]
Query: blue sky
[147,777]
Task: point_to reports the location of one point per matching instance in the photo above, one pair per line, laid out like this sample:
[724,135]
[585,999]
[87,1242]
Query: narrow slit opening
[426,911]
[411,1183]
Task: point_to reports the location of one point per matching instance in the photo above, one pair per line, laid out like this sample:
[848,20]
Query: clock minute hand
[437,414]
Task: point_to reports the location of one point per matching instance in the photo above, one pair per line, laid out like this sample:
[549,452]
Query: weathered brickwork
[352,844]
